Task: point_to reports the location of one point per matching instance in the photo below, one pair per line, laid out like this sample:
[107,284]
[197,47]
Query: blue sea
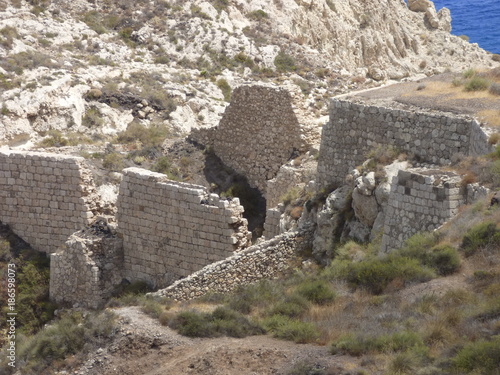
[478,19]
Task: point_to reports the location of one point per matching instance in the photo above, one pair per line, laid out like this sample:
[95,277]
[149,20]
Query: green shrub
[285,328]
[257,15]
[164,165]
[152,308]
[94,21]
[444,259]
[64,337]
[260,294]
[285,63]
[495,57]
[293,306]
[152,136]
[92,118]
[7,36]
[359,345]
[317,291]
[222,321]
[491,310]
[113,161]
[469,73]
[477,84]
[376,273]
[54,139]
[26,60]
[225,88]
[479,236]
[481,357]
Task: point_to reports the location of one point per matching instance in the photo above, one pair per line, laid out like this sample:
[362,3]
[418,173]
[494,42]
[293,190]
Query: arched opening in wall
[29,271]
[228,183]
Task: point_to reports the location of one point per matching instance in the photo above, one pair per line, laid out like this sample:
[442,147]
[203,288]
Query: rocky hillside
[91,68]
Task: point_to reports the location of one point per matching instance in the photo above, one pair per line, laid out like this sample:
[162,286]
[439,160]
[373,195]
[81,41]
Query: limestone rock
[432,17]
[366,184]
[420,5]
[356,230]
[444,16]
[365,207]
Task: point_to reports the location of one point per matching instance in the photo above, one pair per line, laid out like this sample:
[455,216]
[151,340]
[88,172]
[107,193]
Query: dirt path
[144,347]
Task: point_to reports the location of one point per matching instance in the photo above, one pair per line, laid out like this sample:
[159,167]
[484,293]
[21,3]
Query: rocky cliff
[93,67]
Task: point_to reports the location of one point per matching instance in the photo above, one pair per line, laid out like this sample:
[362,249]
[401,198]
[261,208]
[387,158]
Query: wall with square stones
[259,132]
[420,200]
[172,229]
[355,128]
[87,269]
[44,197]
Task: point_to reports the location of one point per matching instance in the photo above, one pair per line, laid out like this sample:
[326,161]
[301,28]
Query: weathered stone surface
[420,5]
[258,133]
[257,262]
[85,271]
[365,207]
[45,197]
[420,200]
[171,229]
[356,128]
[444,16]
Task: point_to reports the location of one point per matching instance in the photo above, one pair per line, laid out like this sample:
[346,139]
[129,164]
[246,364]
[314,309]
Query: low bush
[64,337]
[477,83]
[223,85]
[261,294]
[293,306]
[222,321]
[92,118]
[164,165]
[285,63]
[152,136]
[113,161]
[480,357]
[375,274]
[285,328]
[317,291]
[469,73]
[480,236]
[359,345]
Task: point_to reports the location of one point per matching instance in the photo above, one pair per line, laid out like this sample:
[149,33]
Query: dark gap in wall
[228,183]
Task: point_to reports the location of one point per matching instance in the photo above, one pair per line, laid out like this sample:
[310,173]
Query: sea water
[478,19]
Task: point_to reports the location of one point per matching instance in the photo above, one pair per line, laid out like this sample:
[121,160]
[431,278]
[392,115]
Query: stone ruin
[166,231]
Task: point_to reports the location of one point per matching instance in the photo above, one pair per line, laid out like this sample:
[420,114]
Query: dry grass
[490,116]
[444,91]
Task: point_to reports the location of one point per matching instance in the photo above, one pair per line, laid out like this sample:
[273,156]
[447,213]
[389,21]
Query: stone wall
[172,229]
[420,200]
[258,262]
[45,198]
[258,133]
[272,225]
[86,270]
[355,128]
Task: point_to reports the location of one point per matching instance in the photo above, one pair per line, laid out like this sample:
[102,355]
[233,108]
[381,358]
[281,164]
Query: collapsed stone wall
[258,133]
[420,200]
[261,261]
[355,128]
[86,270]
[172,229]
[44,197]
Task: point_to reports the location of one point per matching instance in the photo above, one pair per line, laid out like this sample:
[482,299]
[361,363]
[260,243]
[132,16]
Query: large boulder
[420,5]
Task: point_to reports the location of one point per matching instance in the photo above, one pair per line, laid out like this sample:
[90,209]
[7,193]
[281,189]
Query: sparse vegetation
[223,85]
[285,63]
